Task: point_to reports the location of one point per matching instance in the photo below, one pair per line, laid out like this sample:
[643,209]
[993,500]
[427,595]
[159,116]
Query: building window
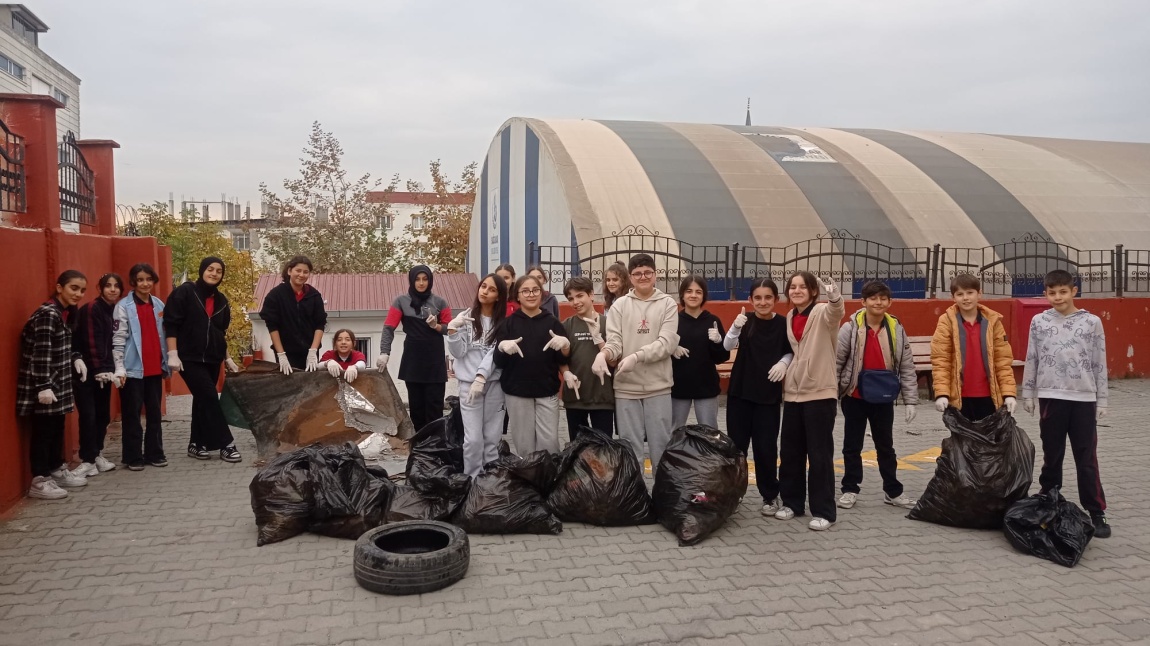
[383,222]
[418,222]
[363,345]
[60,96]
[419,253]
[242,241]
[12,67]
[24,30]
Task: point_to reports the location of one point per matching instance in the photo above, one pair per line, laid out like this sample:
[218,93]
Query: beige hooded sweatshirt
[649,329]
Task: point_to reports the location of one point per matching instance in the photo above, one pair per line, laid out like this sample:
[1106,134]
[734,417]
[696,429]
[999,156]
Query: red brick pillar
[33,117]
[98,154]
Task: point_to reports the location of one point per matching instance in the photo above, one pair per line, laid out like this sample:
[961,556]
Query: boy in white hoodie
[642,328]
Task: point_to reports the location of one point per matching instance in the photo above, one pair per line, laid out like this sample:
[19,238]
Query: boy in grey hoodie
[1066,370]
[642,332]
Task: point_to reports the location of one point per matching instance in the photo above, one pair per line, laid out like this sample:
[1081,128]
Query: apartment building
[27,69]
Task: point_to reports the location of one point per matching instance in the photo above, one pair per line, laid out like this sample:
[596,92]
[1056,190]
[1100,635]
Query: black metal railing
[13,187]
[77,187]
[1014,268]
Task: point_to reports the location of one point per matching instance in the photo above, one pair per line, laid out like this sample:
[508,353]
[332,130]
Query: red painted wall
[1127,323]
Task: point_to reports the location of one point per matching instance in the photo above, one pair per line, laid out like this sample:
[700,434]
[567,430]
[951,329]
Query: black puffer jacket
[198,338]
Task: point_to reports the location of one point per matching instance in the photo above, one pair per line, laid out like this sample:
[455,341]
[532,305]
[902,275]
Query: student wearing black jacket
[532,348]
[755,395]
[296,318]
[195,323]
[93,340]
[693,362]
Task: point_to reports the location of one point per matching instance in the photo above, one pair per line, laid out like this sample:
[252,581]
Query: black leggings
[209,427]
[93,403]
[756,427]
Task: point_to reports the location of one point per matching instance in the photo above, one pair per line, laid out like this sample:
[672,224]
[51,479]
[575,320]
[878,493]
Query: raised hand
[830,287]
[557,343]
[740,320]
[511,346]
[714,335]
[461,320]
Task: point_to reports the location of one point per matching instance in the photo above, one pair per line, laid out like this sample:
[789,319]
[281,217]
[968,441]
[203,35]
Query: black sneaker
[138,465]
[198,452]
[1101,527]
[230,454]
[159,462]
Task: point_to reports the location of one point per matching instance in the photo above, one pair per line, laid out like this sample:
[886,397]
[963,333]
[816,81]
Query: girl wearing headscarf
[195,323]
[423,368]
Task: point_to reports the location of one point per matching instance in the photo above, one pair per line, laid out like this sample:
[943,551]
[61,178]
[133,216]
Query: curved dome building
[882,200]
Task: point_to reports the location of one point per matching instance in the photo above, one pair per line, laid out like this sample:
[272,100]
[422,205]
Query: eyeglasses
[642,275]
[535,291]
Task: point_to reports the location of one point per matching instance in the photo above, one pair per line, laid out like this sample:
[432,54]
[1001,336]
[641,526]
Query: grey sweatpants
[482,426]
[706,412]
[533,423]
[651,417]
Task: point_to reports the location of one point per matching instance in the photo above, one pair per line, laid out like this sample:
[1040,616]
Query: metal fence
[77,190]
[13,188]
[1014,268]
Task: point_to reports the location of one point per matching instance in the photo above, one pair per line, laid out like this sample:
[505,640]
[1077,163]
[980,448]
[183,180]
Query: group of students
[72,355]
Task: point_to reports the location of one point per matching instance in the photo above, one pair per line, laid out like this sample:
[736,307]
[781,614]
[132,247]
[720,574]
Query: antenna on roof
[748,111]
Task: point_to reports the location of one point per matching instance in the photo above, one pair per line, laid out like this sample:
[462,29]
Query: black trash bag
[349,500]
[600,482]
[508,497]
[984,468]
[437,453]
[409,503]
[282,497]
[699,482]
[1050,527]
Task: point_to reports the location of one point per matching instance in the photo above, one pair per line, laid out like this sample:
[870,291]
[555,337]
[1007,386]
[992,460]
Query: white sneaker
[772,507]
[847,500]
[66,478]
[87,469]
[784,513]
[903,501]
[45,489]
[104,464]
[820,524]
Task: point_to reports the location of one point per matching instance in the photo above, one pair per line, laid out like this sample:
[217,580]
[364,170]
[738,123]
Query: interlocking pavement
[168,556]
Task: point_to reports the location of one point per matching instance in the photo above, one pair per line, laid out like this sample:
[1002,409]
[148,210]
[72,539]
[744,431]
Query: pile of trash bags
[597,480]
[984,468]
[1050,527]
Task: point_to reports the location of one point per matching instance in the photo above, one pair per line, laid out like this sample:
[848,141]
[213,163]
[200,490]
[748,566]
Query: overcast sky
[209,97]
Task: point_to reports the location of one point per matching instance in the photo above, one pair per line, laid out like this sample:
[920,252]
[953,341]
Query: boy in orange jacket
[970,358]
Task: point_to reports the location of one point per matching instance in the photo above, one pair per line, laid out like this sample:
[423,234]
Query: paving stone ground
[168,556]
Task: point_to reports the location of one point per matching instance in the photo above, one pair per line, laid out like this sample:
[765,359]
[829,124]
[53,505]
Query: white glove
[103,378]
[831,288]
[381,362]
[120,377]
[285,365]
[628,363]
[1028,405]
[911,413]
[231,365]
[46,396]
[82,369]
[740,320]
[312,360]
[572,383]
[460,320]
[1010,403]
[511,346]
[778,371]
[557,343]
[941,403]
[332,368]
[600,368]
[351,373]
[433,322]
[680,352]
[174,360]
[713,334]
[476,388]
[1101,412]
[593,328]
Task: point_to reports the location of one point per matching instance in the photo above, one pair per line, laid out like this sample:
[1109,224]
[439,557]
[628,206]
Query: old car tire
[411,557]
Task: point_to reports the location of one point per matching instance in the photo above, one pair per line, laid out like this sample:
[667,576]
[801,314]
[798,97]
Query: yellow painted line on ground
[869,460]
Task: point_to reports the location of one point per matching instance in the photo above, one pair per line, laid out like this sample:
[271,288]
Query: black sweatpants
[1059,419]
[146,393]
[756,426]
[209,427]
[46,444]
[807,435]
[94,404]
[976,408]
[604,420]
[425,402]
[856,414]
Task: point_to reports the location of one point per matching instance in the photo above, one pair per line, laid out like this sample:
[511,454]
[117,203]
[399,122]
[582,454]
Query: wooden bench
[920,349]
